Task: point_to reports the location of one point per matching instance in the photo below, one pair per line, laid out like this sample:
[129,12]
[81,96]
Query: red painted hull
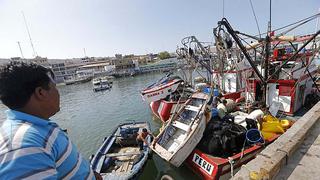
[162,109]
[210,167]
[154,106]
[234,96]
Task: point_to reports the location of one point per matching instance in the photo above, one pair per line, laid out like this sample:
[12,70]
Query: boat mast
[266,61]
[20,50]
[317,23]
[25,22]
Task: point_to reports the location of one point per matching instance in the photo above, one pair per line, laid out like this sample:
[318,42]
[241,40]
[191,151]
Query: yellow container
[274,127]
[285,123]
[267,135]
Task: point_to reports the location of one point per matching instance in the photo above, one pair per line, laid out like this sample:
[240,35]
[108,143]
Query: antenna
[269,24]
[222,8]
[317,23]
[20,50]
[25,22]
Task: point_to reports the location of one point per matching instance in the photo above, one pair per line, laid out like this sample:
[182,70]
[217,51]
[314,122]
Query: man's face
[54,98]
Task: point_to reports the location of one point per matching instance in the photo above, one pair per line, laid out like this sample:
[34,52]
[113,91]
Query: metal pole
[266,69]
[296,53]
[20,50]
[222,8]
[307,69]
[266,61]
[241,46]
[25,22]
[269,16]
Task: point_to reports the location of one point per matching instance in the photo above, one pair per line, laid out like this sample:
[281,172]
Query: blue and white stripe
[35,148]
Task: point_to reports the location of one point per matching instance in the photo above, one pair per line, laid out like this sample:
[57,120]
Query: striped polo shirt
[35,148]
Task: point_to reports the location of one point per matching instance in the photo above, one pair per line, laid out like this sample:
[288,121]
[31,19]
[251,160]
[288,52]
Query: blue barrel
[254,136]
[214,112]
[207,90]
[215,92]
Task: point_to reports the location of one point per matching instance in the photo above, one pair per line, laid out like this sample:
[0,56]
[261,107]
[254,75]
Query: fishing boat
[281,78]
[100,84]
[77,80]
[183,131]
[213,167]
[119,156]
[161,89]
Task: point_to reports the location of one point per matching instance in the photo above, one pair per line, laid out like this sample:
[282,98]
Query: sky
[63,28]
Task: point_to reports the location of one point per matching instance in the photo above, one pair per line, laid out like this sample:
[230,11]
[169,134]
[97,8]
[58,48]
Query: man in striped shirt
[31,145]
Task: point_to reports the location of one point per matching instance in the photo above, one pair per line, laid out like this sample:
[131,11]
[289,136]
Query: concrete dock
[294,155]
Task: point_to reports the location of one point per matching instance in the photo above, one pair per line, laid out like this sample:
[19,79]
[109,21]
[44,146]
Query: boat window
[186,116]
[196,102]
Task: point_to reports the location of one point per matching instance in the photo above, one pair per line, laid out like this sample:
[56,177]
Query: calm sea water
[89,117]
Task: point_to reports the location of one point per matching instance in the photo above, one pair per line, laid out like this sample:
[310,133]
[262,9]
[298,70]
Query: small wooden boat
[161,89]
[119,157]
[183,131]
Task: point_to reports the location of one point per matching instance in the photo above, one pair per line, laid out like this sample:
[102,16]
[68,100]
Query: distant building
[163,65]
[97,68]
[123,63]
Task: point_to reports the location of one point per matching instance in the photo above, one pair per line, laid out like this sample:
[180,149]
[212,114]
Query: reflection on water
[89,117]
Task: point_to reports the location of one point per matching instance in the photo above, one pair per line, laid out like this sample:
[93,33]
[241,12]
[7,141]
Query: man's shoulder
[28,134]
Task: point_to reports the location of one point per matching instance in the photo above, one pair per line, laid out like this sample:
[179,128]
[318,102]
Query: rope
[230,159]
[255,18]
[305,19]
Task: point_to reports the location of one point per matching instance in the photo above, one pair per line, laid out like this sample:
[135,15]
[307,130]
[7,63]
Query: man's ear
[40,93]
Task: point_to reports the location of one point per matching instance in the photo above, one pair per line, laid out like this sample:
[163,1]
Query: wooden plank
[180,125]
[192,108]
[125,166]
[122,154]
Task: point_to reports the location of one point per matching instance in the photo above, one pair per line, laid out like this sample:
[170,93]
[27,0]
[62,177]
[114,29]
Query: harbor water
[90,116]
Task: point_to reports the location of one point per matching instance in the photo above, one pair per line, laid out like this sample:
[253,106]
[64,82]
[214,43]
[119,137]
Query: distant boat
[77,80]
[101,83]
[119,156]
[161,89]
[183,132]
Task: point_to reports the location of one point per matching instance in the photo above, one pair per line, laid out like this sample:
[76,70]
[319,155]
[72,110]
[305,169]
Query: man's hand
[97,176]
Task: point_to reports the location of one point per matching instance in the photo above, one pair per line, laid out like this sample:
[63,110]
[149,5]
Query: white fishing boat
[161,89]
[183,132]
[100,84]
[119,157]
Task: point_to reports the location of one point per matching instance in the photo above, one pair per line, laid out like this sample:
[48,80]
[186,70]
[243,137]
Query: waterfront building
[163,65]
[95,69]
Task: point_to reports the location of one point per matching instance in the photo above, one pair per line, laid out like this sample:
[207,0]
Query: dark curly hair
[18,80]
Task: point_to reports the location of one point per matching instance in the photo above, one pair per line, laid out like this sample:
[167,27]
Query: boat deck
[125,158]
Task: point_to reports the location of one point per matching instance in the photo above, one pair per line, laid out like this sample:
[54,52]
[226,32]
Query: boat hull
[183,132]
[209,167]
[187,148]
[102,88]
[163,109]
[161,91]
[106,151]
